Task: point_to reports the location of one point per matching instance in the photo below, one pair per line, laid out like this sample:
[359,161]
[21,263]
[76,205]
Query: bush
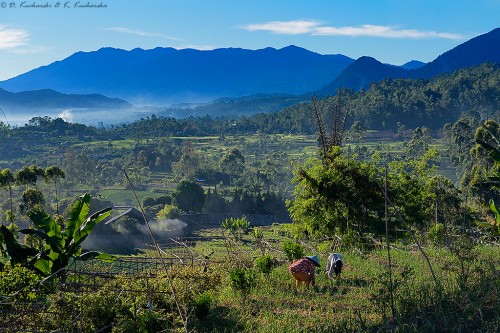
[243,281]
[236,226]
[436,233]
[264,264]
[168,212]
[202,304]
[293,250]
[17,278]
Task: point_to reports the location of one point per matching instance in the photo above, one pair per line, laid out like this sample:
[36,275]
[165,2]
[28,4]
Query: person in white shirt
[334,265]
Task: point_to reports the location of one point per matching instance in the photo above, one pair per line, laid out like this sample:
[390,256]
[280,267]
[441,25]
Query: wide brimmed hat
[314,259]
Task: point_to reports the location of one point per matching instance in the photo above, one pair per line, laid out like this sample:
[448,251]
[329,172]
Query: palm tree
[53,173]
[7,180]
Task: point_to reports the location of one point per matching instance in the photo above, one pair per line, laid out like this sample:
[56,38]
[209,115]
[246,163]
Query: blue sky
[393,31]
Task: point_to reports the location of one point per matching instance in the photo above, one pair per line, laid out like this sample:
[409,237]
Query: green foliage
[258,233]
[32,199]
[359,302]
[18,282]
[189,196]
[161,200]
[243,280]
[436,233]
[202,304]
[168,212]
[10,216]
[60,245]
[419,143]
[7,180]
[264,264]
[337,192]
[487,138]
[148,322]
[236,226]
[29,175]
[103,309]
[292,250]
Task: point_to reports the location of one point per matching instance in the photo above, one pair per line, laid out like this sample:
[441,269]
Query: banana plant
[60,245]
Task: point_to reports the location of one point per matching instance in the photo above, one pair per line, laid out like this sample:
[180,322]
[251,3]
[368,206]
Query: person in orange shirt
[303,271]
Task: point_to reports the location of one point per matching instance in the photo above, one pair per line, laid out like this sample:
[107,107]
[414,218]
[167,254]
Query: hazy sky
[36,33]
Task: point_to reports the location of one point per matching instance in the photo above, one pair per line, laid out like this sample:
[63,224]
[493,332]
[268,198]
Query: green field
[465,298]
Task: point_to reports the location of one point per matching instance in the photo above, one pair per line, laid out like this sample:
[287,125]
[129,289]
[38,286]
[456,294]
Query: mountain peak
[413,64]
[365,70]
[480,49]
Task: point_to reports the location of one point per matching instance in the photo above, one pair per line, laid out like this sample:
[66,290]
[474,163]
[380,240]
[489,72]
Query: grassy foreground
[465,298]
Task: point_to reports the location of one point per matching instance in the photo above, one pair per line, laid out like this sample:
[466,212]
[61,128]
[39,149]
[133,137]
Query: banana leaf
[495,210]
[493,152]
[19,254]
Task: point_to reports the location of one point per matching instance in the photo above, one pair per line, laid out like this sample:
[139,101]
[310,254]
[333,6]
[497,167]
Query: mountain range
[165,75]
[365,70]
[47,98]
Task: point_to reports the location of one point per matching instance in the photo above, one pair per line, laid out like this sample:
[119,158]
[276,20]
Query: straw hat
[314,259]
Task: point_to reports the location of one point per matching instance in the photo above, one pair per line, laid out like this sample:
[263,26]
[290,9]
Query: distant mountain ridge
[167,76]
[413,64]
[170,75]
[365,70]
[47,98]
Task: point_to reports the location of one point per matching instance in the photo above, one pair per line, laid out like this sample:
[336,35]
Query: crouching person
[334,265]
[303,271]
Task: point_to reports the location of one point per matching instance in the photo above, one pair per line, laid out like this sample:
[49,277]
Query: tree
[419,143]
[189,162]
[29,175]
[462,134]
[32,199]
[189,196]
[214,202]
[357,132]
[79,167]
[53,173]
[232,163]
[7,180]
[168,212]
[339,192]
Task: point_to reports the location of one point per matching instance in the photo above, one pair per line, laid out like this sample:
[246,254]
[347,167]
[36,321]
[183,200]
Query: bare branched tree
[339,108]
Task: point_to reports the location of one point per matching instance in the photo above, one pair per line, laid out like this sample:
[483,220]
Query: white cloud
[312,27]
[369,30]
[11,38]
[285,27]
[141,33]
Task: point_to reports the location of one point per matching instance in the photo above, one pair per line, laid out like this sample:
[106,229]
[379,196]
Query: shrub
[264,264]
[149,321]
[243,281]
[236,226]
[436,233]
[202,304]
[168,212]
[293,250]
[17,278]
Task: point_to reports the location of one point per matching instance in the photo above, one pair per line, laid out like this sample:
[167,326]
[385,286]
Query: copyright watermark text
[52,5]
